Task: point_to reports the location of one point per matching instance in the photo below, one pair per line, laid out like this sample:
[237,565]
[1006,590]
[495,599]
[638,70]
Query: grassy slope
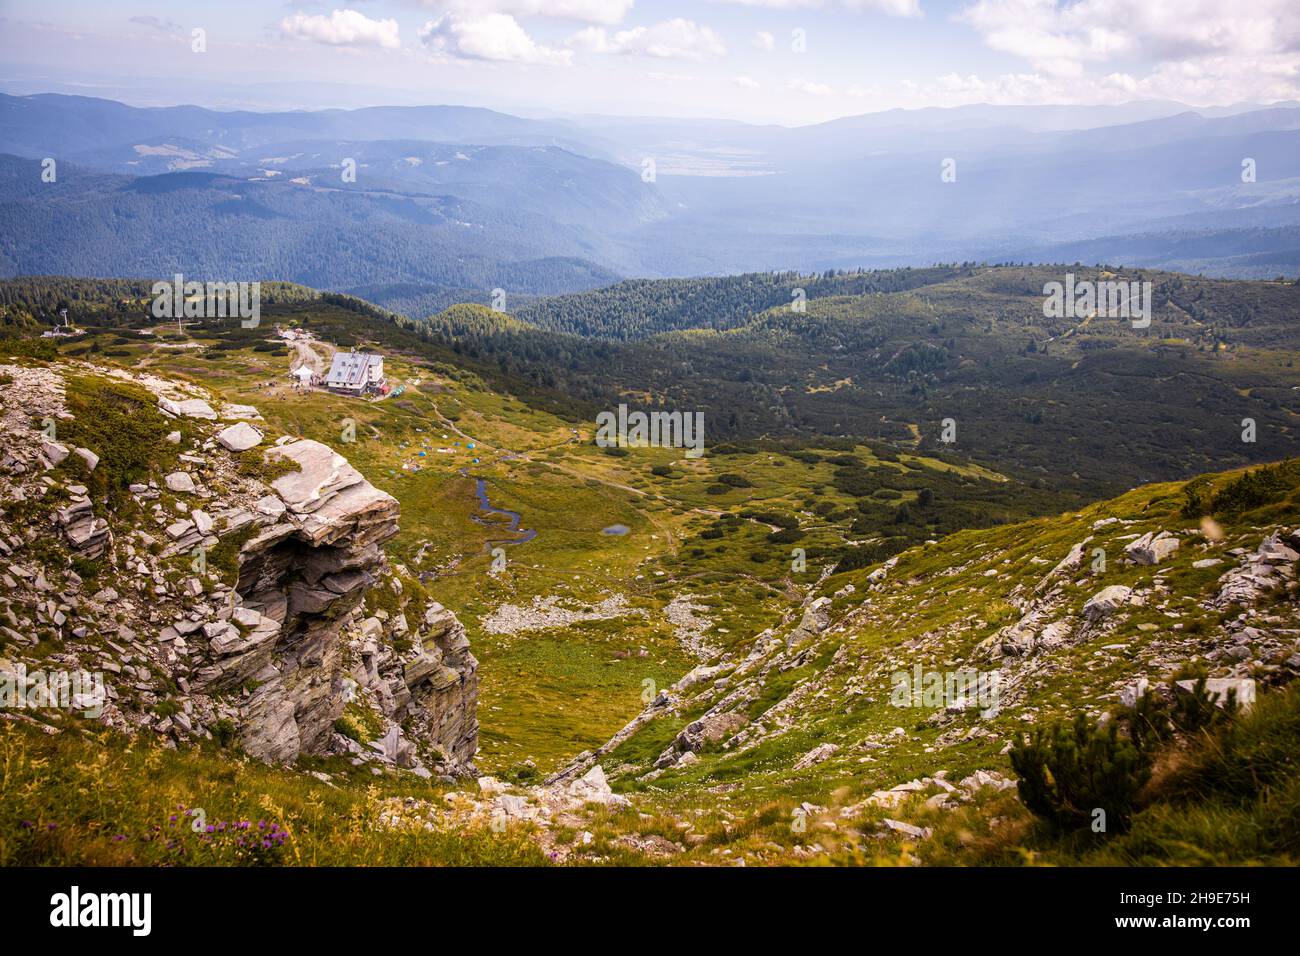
[1224,799]
[548,694]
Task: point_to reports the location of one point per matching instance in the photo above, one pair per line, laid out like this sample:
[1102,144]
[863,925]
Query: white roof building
[355,372]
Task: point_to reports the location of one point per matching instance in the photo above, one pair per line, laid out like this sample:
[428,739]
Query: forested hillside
[638,308]
[229,228]
[1088,405]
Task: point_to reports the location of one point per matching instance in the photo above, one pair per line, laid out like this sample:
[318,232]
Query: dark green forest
[1089,407]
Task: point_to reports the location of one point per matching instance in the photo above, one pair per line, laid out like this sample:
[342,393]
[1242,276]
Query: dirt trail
[308,356]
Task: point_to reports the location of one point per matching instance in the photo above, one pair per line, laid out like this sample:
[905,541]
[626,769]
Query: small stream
[527,534]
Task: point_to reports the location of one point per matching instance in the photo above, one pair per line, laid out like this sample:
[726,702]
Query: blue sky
[778,61]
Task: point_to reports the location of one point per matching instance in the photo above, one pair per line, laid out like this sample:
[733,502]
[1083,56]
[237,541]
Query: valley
[715,684]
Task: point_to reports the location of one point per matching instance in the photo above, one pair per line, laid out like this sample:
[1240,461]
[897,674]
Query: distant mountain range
[439,198]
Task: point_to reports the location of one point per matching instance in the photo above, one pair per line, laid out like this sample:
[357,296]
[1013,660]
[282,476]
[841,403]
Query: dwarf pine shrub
[1069,771]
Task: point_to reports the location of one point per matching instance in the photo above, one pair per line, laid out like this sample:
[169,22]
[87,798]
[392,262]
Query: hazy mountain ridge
[210,225]
[695,197]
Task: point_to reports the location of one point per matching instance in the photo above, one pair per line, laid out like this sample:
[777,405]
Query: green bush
[42,349]
[119,422]
[1069,771]
[1253,489]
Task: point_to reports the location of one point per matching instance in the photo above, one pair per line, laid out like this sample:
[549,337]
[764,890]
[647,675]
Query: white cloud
[492,36]
[1192,39]
[676,39]
[157,23]
[811,88]
[745,82]
[954,83]
[895,8]
[774,4]
[608,12]
[764,41]
[1212,81]
[342,28]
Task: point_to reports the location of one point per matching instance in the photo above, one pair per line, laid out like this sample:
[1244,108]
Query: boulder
[1219,687]
[907,829]
[54,452]
[179,482]
[512,806]
[88,456]
[239,437]
[231,410]
[394,749]
[592,787]
[1152,548]
[1106,602]
[816,755]
[1131,694]
[190,408]
[269,505]
[1273,551]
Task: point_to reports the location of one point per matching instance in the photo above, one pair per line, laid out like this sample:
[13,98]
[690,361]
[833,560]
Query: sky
[762,61]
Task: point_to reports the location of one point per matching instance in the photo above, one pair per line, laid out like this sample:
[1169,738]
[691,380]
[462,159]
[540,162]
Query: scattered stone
[239,437]
[89,457]
[179,482]
[1152,548]
[190,408]
[1106,601]
[816,755]
[920,833]
[1219,688]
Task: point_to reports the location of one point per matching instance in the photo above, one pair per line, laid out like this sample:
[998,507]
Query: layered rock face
[308,574]
[281,652]
[432,695]
[299,581]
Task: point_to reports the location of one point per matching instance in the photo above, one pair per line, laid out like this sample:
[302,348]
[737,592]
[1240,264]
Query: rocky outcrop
[1152,548]
[299,580]
[273,647]
[431,691]
[709,730]
[1106,602]
[1270,567]
[301,584]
